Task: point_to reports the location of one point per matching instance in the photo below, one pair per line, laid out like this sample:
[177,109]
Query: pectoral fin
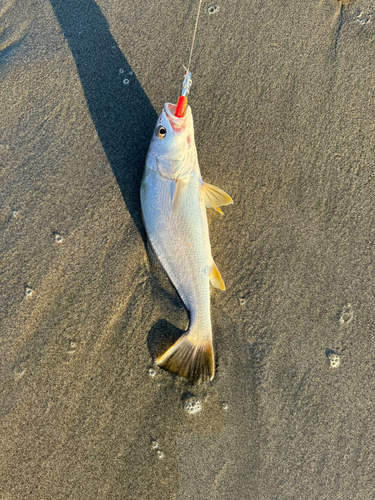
[177,197]
[215,277]
[215,197]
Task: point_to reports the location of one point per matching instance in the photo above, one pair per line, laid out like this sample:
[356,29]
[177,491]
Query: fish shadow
[124,120]
[164,333]
[161,337]
[122,113]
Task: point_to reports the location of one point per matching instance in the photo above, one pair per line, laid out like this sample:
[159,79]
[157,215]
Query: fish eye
[160,132]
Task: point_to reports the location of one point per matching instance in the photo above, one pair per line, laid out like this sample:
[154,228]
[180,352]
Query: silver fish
[174,200]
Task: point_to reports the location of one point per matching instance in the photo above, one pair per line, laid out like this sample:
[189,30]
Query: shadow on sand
[122,113]
[123,116]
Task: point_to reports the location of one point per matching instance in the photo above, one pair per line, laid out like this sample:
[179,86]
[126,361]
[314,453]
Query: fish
[174,199]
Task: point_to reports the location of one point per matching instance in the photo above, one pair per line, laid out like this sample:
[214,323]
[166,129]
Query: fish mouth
[178,124]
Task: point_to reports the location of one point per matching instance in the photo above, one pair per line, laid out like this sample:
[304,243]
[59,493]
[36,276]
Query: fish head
[172,146]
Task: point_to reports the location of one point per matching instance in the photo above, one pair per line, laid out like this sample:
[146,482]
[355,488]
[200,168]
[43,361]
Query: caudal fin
[188,359]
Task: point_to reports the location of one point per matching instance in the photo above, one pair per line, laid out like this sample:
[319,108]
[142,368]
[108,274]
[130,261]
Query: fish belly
[181,243]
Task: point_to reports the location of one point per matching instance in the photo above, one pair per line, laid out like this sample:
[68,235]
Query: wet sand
[283,105]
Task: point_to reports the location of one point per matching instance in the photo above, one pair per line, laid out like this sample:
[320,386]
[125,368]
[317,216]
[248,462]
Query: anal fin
[215,277]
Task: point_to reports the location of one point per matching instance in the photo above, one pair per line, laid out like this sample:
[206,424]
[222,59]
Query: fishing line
[195,31]
[182,100]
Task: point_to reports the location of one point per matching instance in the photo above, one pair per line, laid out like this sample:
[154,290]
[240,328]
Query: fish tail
[189,358]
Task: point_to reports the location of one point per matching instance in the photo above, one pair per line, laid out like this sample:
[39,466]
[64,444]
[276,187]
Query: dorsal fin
[215,277]
[215,197]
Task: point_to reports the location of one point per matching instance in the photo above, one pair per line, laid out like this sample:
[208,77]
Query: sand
[283,104]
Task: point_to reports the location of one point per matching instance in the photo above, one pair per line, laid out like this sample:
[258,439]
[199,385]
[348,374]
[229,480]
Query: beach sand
[283,104]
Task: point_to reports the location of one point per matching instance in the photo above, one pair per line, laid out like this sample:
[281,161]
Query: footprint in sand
[334,357]
[213,9]
[72,346]
[346,315]
[363,18]
[19,370]
[155,446]
[334,360]
[191,404]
